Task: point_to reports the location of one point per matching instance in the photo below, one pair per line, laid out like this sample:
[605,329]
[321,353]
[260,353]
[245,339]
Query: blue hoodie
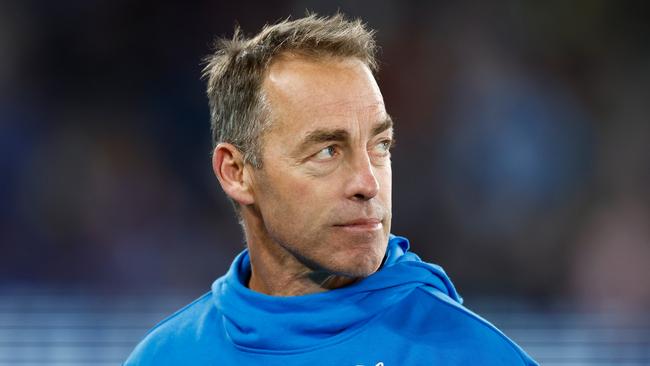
[407,313]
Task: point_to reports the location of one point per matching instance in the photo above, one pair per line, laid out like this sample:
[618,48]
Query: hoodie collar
[264,323]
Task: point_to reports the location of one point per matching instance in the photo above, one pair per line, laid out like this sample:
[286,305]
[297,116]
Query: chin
[354,257]
[360,265]
[363,260]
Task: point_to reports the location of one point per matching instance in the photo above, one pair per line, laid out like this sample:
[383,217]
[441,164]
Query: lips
[361,224]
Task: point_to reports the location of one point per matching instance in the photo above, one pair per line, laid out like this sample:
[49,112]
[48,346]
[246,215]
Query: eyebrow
[383,126]
[322,135]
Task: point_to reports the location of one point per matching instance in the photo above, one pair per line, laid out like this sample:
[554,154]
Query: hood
[260,322]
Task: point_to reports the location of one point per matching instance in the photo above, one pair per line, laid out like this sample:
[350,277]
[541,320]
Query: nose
[363,184]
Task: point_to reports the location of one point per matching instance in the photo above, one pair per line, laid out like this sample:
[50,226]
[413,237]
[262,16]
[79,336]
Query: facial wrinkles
[317,93]
[343,210]
[356,163]
[357,121]
[355,112]
[355,156]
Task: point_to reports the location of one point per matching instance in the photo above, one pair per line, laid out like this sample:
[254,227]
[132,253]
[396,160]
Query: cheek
[385,178]
[286,198]
[294,211]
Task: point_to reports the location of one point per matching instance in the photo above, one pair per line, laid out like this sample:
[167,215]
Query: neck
[286,284]
[277,272]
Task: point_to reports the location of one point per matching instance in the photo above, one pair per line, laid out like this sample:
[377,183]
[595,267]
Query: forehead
[304,94]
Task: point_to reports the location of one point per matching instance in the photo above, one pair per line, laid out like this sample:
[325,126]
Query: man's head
[236,70]
[302,142]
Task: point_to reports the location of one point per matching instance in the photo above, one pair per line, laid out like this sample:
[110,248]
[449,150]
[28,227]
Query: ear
[228,166]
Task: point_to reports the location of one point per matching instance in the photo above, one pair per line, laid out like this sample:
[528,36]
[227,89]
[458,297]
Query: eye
[383,147]
[326,153]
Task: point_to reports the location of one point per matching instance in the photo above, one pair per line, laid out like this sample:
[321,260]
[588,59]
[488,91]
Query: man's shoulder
[447,322]
[174,334]
[184,319]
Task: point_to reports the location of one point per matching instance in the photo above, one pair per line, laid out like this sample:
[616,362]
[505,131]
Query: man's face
[324,192]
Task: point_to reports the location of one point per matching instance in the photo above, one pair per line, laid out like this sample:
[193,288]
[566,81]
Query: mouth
[361,225]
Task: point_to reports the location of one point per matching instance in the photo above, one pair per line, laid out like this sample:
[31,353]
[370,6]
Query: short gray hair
[234,72]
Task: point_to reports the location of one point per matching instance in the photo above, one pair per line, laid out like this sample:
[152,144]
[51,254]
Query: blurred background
[522,166]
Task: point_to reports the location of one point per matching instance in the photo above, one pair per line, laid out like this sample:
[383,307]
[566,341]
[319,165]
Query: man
[302,148]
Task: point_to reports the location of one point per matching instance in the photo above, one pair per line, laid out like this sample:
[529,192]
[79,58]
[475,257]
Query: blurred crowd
[522,163]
